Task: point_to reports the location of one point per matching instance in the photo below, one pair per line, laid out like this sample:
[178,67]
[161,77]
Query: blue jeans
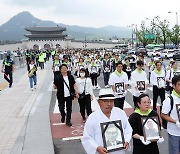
[32,79]
[174,144]
[106,78]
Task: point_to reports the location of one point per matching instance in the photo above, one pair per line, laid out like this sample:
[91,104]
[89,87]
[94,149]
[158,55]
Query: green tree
[174,35]
[140,34]
[161,29]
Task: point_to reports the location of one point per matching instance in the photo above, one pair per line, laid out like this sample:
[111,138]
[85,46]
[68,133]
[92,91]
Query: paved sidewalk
[22,110]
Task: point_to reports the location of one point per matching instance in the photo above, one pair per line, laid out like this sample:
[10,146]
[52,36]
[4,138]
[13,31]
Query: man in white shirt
[170,73]
[157,80]
[138,81]
[92,137]
[119,82]
[173,125]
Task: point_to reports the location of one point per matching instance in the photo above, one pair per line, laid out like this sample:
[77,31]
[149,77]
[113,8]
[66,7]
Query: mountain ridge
[14,29]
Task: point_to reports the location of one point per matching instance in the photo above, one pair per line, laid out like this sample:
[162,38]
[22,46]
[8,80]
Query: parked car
[149,52]
[176,55]
[157,51]
[141,50]
[168,53]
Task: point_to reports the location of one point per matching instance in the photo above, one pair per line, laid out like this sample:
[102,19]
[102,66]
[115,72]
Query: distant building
[39,33]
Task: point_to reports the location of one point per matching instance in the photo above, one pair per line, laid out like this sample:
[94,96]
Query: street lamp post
[132,38]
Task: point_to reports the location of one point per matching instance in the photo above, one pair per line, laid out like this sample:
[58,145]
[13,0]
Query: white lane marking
[127,105]
[37,101]
[72,138]
[50,87]
[58,124]
[94,103]
[56,108]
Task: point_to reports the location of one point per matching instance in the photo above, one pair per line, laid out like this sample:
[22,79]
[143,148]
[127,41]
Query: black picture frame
[161,82]
[178,111]
[112,134]
[141,86]
[151,128]
[120,88]
[176,73]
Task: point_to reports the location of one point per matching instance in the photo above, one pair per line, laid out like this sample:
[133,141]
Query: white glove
[161,139]
[143,141]
[178,123]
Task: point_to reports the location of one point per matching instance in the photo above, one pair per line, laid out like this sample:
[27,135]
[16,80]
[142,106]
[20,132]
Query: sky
[93,13]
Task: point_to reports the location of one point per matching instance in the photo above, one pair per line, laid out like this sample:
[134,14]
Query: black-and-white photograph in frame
[93,69]
[141,86]
[151,128]
[176,73]
[178,110]
[119,88]
[161,82]
[112,134]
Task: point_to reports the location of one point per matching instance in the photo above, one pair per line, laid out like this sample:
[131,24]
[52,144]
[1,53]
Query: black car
[176,55]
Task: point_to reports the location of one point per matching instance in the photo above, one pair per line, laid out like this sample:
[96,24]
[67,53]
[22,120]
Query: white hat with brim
[106,94]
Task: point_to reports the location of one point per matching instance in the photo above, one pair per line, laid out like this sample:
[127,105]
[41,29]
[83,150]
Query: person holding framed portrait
[115,121]
[119,82]
[157,80]
[170,114]
[139,81]
[140,143]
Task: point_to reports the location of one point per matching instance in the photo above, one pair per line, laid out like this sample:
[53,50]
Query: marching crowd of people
[76,74]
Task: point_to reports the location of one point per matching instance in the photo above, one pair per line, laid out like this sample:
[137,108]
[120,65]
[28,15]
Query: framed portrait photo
[119,88]
[112,134]
[178,110]
[176,73]
[141,86]
[161,82]
[151,128]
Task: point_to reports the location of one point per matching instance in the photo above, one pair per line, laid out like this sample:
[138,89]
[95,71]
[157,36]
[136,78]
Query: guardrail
[19,61]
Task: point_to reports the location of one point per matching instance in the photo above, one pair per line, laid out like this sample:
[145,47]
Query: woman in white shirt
[84,86]
[93,71]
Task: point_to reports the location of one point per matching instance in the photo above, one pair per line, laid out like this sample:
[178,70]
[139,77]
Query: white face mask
[82,74]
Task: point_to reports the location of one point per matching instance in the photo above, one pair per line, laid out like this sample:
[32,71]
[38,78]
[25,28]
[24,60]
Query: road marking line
[58,124]
[72,138]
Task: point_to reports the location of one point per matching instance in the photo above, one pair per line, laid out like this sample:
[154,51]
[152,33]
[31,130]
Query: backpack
[164,122]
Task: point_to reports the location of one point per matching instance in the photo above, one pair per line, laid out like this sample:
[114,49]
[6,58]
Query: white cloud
[94,13]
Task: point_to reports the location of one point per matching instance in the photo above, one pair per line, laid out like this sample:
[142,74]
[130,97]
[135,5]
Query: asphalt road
[75,147]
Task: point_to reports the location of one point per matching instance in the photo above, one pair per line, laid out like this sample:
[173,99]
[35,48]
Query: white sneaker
[31,89]
[34,86]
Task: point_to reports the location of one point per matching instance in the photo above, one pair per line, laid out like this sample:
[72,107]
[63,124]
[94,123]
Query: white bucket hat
[106,94]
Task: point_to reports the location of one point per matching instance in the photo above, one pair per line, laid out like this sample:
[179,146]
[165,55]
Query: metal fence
[19,61]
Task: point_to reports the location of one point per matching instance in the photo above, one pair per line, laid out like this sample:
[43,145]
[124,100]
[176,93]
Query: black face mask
[8,57]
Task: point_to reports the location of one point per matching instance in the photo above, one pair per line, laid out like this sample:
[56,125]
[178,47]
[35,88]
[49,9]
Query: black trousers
[8,77]
[94,79]
[119,102]
[158,92]
[85,104]
[41,64]
[61,104]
